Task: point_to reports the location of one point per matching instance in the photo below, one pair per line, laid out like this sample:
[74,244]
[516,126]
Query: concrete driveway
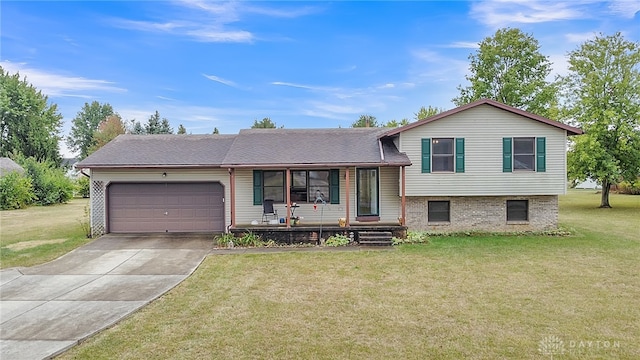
[46,309]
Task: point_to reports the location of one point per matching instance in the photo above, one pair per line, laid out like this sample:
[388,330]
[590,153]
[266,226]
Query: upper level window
[442,155]
[524,156]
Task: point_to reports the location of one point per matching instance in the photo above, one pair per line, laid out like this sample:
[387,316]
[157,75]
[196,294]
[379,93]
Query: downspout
[232,195]
[403,175]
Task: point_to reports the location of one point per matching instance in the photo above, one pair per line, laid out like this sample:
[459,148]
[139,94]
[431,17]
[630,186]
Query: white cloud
[499,13]
[579,37]
[57,85]
[220,80]
[210,20]
[218,35]
[463,45]
[625,8]
[302,86]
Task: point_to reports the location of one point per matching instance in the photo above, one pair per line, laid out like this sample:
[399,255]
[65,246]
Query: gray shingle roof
[302,147]
[161,150]
[7,165]
[250,148]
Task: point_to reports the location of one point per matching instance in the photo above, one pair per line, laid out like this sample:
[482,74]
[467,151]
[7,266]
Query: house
[482,166]
[7,165]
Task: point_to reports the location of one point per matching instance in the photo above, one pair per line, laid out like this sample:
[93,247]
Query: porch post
[288,197]
[348,182]
[232,194]
[404,198]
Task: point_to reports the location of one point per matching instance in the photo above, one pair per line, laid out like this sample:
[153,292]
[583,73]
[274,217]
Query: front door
[368,199]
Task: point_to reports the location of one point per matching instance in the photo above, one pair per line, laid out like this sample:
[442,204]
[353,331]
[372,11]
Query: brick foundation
[484,213]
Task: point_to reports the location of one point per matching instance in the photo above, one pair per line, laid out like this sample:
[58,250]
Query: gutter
[83,173]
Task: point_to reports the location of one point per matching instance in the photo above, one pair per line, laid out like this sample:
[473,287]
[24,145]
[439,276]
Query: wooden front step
[375,238]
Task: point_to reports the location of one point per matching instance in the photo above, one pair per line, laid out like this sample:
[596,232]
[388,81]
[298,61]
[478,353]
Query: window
[273,185]
[443,155]
[524,154]
[517,210]
[306,185]
[367,192]
[438,211]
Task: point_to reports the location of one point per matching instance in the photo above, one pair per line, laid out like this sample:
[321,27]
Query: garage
[165,207]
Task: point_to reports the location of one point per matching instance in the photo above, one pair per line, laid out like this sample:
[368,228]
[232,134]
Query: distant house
[483,166]
[7,165]
[588,184]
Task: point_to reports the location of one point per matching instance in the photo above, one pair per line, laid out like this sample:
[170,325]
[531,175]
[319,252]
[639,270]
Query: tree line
[600,94]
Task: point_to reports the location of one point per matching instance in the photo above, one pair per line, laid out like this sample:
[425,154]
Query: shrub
[629,188]
[16,191]
[337,240]
[225,240]
[249,239]
[82,187]
[413,237]
[50,184]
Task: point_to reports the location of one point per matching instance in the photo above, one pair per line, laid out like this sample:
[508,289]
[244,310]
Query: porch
[363,234]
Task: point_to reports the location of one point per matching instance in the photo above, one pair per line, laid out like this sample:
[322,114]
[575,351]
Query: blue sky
[304,64]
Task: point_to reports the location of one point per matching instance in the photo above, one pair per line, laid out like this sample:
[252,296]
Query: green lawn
[469,297]
[41,233]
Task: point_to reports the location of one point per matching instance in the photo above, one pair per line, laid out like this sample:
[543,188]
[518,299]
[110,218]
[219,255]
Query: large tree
[107,130]
[154,125]
[84,125]
[509,68]
[602,92]
[29,125]
[265,123]
[365,121]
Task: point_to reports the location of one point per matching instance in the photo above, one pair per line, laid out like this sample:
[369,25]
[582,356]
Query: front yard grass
[39,234]
[481,297]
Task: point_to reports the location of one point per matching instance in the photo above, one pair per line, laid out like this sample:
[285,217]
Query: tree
[85,124]
[395,123]
[365,121]
[266,123]
[181,130]
[216,131]
[426,112]
[29,125]
[509,68]
[155,125]
[107,130]
[602,92]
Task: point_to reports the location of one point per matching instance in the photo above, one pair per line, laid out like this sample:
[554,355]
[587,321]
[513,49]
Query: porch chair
[268,210]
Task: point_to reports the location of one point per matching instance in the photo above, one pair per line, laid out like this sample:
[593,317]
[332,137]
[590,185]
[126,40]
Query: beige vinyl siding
[173,175]
[389,200]
[483,128]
